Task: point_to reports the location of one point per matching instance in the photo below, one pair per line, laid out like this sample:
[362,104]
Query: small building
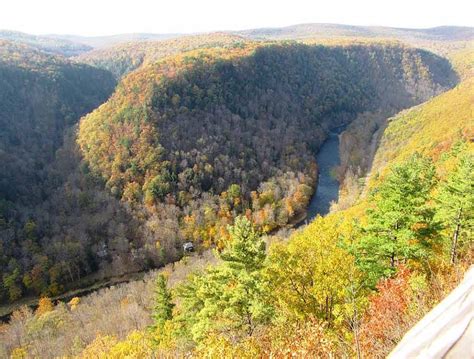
[188,247]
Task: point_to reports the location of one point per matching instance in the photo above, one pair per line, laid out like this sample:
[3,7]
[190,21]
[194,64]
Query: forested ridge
[44,43]
[210,134]
[42,97]
[216,146]
[315,30]
[122,58]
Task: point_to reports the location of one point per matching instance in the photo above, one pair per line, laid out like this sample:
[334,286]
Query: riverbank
[32,302]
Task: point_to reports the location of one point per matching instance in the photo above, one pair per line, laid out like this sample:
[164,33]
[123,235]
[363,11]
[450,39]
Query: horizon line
[49,34]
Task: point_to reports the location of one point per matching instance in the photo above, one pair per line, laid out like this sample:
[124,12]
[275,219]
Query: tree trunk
[455,237]
[356,334]
[68,267]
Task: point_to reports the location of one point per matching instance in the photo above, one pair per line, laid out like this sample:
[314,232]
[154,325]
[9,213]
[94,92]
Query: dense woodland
[168,180]
[216,146]
[42,96]
[211,134]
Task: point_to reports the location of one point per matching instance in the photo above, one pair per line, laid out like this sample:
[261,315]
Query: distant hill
[123,58]
[73,45]
[105,41]
[108,50]
[130,51]
[442,33]
[55,46]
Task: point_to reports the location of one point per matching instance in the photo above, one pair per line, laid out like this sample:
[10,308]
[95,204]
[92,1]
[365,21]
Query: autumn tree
[45,305]
[314,275]
[386,321]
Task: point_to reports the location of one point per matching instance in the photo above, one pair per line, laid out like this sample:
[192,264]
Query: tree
[10,282]
[229,298]
[400,222]
[246,250]
[386,319]
[45,305]
[313,275]
[456,203]
[163,309]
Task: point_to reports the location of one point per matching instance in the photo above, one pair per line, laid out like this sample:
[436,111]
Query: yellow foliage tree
[45,305]
[74,302]
[311,274]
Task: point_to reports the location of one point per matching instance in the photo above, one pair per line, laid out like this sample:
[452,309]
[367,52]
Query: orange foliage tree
[386,319]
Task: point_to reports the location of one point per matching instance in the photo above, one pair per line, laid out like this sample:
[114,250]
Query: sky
[107,17]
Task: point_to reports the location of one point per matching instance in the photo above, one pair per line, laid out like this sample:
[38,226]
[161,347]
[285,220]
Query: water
[327,189]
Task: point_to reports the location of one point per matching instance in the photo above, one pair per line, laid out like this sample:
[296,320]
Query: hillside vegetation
[216,146]
[349,284]
[219,132]
[41,97]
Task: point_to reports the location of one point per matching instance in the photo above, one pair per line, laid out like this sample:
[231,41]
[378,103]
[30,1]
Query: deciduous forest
[112,158]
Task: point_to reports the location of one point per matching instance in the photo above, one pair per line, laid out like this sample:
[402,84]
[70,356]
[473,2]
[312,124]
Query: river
[327,189]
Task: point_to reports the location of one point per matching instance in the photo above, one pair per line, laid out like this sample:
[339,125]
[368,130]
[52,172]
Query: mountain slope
[41,96]
[205,121]
[189,143]
[432,129]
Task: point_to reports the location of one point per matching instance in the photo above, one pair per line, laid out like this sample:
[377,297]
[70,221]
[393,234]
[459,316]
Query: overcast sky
[106,17]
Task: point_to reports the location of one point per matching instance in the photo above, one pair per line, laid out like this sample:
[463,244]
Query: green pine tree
[246,250]
[456,204]
[163,308]
[400,223]
[229,298]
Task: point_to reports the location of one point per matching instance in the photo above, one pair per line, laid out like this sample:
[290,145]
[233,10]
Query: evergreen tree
[456,204]
[163,309]
[400,223]
[246,250]
[231,297]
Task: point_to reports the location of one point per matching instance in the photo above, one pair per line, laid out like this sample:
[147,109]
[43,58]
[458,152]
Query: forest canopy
[180,149]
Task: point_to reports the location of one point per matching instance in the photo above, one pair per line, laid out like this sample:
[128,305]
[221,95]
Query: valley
[327,190]
[312,167]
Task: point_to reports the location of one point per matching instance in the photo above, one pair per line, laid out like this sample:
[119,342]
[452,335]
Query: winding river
[327,189]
